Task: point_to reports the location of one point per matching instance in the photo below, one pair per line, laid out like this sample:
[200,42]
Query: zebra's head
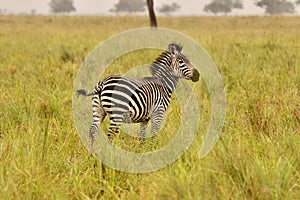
[181,64]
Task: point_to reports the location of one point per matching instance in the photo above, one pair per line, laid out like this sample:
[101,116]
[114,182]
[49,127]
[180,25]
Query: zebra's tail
[98,112]
[84,93]
[96,90]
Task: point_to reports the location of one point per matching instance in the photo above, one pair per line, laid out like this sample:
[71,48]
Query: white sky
[188,7]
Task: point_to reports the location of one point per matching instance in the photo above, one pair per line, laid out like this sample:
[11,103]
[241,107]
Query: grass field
[42,157]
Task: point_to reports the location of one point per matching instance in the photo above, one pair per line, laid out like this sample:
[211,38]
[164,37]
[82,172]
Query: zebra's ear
[174,48]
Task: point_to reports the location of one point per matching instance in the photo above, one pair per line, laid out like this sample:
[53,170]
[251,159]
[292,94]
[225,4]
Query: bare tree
[153,22]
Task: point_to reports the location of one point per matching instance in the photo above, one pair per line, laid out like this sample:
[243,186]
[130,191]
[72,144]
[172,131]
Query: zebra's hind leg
[98,116]
[93,133]
[113,129]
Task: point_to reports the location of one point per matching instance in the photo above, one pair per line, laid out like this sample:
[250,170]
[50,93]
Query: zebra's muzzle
[196,75]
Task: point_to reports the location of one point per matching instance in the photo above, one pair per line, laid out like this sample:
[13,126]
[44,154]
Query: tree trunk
[153,22]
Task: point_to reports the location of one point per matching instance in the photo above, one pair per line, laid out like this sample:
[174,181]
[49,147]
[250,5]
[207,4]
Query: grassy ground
[42,157]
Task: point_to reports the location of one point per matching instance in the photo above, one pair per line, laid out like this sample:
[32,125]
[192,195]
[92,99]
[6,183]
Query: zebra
[127,100]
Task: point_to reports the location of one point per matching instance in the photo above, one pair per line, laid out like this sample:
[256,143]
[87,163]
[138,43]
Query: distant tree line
[273,7]
[62,6]
[223,6]
[134,6]
[129,6]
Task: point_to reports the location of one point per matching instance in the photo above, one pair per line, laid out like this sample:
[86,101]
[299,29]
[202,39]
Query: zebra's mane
[161,64]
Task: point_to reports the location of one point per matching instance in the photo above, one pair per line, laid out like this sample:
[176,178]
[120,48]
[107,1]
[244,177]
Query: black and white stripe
[127,100]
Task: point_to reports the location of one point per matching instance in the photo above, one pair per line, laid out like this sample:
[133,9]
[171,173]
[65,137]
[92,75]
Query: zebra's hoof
[110,138]
[142,140]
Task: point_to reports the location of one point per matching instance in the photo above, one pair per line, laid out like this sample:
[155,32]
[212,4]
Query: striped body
[140,98]
[127,100]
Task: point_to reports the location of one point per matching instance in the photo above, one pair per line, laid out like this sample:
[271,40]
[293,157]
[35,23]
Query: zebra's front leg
[156,120]
[143,130]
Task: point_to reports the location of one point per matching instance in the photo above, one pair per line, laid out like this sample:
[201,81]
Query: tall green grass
[42,157]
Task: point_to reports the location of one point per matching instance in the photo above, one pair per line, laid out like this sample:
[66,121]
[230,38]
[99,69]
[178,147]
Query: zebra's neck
[162,70]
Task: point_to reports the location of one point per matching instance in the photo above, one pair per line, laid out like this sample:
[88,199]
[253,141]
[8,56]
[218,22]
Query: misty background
[102,7]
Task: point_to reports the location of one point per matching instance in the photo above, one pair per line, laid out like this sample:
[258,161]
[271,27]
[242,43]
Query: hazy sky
[188,7]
